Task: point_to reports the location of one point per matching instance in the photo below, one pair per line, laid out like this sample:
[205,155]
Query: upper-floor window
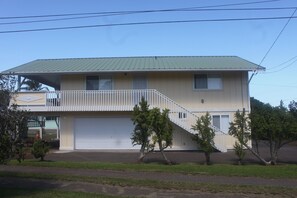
[99,82]
[207,81]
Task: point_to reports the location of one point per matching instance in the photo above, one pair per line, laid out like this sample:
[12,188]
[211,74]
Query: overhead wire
[145,23]
[285,62]
[266,54]
[145,12]
[117,12]
[281,68]
[280,33]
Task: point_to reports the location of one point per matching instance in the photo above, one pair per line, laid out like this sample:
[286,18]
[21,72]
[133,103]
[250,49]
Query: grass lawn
[276,172]
[279,171]
[165,185]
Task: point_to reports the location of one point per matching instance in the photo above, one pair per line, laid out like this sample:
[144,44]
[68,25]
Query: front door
[139,86]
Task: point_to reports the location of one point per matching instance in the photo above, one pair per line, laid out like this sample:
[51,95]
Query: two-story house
[94,97]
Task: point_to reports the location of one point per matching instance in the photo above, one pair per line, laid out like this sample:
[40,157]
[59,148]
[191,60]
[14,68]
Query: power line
[275,85]
[280,33]
[146,23]
[117,12]
[285,62]
[143,12]
[281,68]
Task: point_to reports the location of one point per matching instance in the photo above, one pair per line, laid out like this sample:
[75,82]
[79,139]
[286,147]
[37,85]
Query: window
[99,83]
[182,115]
[216,121]
[205,81]
[221,122]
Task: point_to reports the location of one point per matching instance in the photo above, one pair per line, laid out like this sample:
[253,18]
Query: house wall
[179,87]
[182,140]
[73,82]
[67,135]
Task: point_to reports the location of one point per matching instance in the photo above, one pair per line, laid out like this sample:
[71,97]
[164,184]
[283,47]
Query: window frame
[220,120]
[100,77]
[208,76]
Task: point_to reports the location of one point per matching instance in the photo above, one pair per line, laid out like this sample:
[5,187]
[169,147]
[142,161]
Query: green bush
[5,149]
[39,150]
[20,152]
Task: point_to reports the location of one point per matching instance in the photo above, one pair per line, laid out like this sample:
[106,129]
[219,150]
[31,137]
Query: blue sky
[247,39]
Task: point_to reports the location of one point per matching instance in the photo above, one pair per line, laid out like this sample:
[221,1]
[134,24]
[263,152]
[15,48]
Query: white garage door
[103,133]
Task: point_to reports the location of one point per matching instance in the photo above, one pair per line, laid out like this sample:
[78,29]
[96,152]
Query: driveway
[287,154]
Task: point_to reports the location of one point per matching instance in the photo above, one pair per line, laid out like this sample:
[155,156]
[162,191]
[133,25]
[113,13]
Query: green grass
[48,193]
[167,185]
[279,171]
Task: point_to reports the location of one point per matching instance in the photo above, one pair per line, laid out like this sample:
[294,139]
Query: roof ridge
[136,63]
[113,57]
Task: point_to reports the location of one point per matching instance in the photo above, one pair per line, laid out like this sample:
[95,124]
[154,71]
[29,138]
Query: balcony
[85,100]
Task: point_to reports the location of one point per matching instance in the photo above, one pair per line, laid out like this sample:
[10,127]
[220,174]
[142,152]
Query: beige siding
[179,87]
[67,135]
[122,81]
[182,140]
[73,82]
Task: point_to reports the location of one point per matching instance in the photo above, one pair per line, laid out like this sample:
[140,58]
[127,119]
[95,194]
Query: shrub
[39,150]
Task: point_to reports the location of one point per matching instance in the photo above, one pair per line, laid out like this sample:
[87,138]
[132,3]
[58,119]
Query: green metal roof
[135,64]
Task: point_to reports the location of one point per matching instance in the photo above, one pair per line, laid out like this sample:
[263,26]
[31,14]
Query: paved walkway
[287,155]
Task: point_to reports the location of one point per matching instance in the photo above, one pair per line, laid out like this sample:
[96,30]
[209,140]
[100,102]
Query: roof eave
[128,71]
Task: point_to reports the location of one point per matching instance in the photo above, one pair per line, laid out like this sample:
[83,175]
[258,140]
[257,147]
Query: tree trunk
[165,158]
[257,155]
[274,155]
[274,159]
[239,162]
[207,158]
[257,145]
[142,154]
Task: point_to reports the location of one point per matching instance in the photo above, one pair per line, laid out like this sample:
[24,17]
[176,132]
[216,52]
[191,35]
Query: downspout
[255,72]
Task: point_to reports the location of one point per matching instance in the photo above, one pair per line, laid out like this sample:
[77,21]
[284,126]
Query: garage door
[103,133]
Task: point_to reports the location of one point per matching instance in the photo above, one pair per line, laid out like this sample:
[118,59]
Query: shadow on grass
[14,187]
[17,192]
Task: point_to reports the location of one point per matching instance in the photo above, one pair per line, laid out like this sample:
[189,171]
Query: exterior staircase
[186,119]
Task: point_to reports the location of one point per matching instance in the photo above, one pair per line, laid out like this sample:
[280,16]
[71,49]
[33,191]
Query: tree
[32,85]
[161,128]
[141,132]
[13,122]
[283,131]
[275,125]
[240,129]
[151,127]
[293,108]
[205,135]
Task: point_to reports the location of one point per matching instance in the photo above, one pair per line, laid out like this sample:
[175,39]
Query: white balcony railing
[111,100]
